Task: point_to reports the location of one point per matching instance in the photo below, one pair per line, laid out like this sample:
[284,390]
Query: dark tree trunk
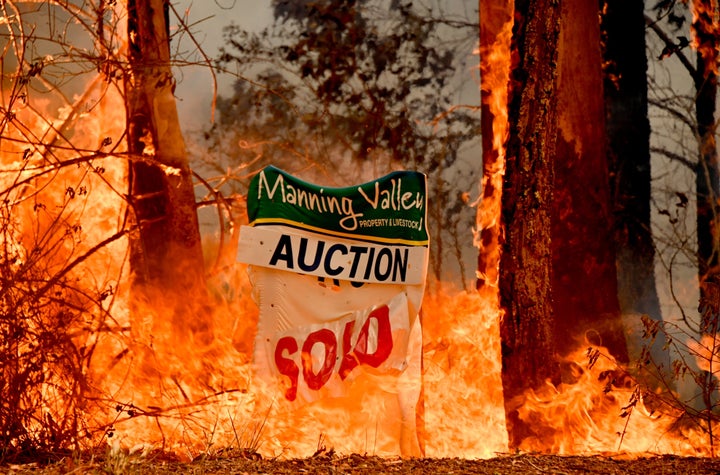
[584,273]
[707,187]
[706,84]
[166,259]
[165,252]
[628,131]
[528,342]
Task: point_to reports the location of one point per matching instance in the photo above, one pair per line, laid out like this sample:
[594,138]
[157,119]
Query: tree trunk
[706,182]
[584,273]
[166,251]
[628,131]
[527,339]
[166,260]
[706,84]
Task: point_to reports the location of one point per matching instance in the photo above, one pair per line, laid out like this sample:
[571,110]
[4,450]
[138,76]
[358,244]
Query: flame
[465,416]
[705,29]
[495,76]
[62,194]
[707,353]
[598,408]
[154,385]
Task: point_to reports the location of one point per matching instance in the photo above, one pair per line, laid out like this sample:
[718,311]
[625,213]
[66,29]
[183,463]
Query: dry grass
[238,462]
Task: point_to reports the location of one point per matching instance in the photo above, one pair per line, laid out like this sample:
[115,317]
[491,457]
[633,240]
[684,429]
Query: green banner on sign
[391,209]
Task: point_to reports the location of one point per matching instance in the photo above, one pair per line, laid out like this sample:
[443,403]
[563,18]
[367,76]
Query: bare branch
[653,25]
[676,157]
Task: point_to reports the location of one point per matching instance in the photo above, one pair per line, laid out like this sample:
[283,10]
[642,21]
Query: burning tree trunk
[705,27]
[528,342]
[584,271]
[495,20]
[706,83]
[166,252]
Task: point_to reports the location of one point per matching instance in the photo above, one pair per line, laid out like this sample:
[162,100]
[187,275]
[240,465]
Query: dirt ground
[241,464]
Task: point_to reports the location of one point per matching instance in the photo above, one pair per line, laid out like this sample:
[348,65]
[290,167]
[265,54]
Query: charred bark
[165,252]
[707,185]
[707,178]
[584,272]
[527,328]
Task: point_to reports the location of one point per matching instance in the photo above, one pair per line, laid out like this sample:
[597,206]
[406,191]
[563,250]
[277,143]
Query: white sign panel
[284,248]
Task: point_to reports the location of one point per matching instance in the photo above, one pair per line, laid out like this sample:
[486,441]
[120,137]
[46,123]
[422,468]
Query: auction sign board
[338,275]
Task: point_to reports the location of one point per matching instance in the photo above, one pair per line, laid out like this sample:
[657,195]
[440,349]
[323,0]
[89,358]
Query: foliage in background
[685,175]
[353,90]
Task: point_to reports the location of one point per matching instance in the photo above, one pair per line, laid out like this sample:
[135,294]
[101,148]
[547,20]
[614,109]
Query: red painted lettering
[360,353]
[287,366]
[327,338]
[352,355]
[384,338]
[349,360]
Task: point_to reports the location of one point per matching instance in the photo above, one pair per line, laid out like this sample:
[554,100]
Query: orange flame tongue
[599,409]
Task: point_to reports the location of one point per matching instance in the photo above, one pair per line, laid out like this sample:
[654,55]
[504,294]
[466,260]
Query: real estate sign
[338,275]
